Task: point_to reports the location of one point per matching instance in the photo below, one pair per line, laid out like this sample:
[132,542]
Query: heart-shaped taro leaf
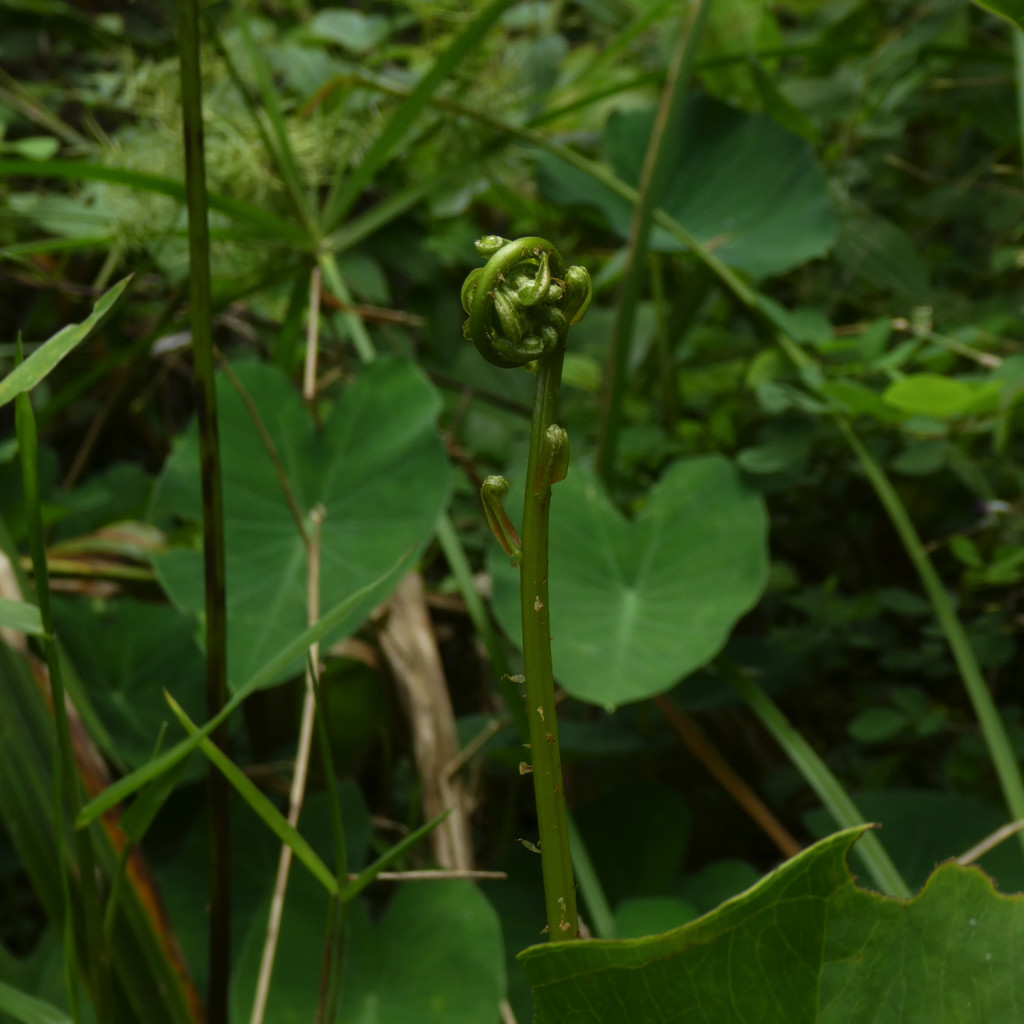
[377,467]
[434,957]
[112,647]
[747,189]
[637,605]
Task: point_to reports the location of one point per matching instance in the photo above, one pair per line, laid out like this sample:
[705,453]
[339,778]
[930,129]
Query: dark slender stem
[549,792]
[653,175]
[213,504]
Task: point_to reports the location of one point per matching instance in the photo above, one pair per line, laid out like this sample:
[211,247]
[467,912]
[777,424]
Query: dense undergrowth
[786,564]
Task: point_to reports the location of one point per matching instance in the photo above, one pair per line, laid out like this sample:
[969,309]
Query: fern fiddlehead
[520,306]
[521,303]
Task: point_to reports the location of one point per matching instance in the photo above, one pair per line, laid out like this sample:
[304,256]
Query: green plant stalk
[602,920]
[337,917]
[828,788]
[651,185]
[1017,34]
[520,306]
[457,561]
[65,780]
[548,788]
[336,283]
[992,729]
[213,503]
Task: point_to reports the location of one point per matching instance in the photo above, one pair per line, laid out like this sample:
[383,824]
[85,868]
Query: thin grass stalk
[651,185]
[312,334]
[299,777]
[816,774]
[213,503]
[365,348]
[1018,79]
[602,920]
[458,563]
[311,541]
[66,791]
[337,919]
[993,731]
[728,778]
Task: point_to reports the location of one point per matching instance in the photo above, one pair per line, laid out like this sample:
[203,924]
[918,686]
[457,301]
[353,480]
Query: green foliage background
[838,249]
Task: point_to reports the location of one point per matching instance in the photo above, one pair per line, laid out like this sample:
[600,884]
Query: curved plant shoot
[520,306]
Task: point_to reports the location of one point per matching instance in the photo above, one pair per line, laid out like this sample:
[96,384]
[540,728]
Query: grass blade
[365,877]
[260,804]
[601,917]
[133,782]
[21,616]
[85,170]
[27,1009]
[66,783]
[345,191]
[652,181]
[816,773]
[45,358]
[993,730]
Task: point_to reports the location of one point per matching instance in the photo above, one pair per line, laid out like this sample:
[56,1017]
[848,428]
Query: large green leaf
[127,653]
[637,605]
[255,852]
[804,946]
[376,467]
[434,957]
[746,188]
